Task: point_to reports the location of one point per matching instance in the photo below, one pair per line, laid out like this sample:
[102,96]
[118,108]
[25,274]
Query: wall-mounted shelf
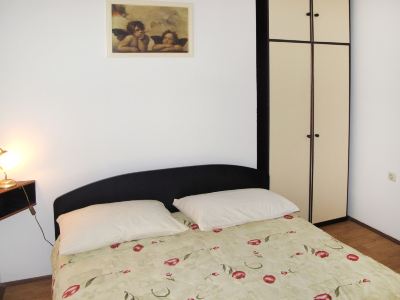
[13,200]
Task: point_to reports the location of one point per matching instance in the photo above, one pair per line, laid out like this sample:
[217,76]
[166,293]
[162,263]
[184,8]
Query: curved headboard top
[164,185]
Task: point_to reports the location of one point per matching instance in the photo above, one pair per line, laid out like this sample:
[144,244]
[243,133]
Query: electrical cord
[33,213]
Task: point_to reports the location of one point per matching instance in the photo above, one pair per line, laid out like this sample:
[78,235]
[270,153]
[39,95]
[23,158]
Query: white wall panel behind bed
[75,116]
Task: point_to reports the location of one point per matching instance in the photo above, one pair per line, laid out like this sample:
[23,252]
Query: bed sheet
[285,258]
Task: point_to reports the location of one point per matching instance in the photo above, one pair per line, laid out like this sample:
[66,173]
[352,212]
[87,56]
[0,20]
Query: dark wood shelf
[13,200]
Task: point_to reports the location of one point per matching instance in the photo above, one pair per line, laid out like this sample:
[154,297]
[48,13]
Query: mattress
[285,258]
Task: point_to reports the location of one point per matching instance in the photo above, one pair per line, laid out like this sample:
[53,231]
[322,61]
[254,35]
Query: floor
[353,234]
[37,290]
[367,242]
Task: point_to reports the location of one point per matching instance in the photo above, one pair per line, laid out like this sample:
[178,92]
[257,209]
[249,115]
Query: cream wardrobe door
[290,121]
[331,21]
[331,119]
[288,19]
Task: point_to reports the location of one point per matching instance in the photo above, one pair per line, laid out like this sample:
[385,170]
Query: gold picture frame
[148,28]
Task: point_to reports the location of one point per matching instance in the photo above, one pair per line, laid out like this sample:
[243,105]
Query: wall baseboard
[375,230]
[330,222]
[2,288]
[4,285]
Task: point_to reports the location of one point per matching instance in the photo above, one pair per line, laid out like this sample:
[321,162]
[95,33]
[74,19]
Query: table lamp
[5,183]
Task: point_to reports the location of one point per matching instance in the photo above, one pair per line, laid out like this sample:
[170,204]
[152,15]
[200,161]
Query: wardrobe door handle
[317,135]
[316,15]
[308,14]
[309,136]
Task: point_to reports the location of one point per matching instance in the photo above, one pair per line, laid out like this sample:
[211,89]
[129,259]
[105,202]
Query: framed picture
[138,28]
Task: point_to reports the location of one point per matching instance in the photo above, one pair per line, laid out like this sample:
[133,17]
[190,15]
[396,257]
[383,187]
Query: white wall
[75,116]
[375,115]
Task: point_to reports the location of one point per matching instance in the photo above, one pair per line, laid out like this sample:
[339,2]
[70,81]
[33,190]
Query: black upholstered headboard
[164,185]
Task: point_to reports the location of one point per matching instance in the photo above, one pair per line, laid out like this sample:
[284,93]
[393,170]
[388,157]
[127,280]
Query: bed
[282,258]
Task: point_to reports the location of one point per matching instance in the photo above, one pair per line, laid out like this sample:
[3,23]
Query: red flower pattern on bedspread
[194,226]
[114,246]
[215,274]
[238,274]
[357,283]
[255,242]
[270,279]
[322,254]
[171,262]
[289,217]
[138,247]
[216,230]
[352,257]
[71,291]
[323,297]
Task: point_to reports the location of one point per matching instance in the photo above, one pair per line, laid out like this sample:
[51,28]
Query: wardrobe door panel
[290,121]
[288,19]
[331,119]
[332,23]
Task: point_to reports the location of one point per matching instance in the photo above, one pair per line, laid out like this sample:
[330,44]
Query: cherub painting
[138,29]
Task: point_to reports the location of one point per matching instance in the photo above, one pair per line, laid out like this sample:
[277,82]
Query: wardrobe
[309,87]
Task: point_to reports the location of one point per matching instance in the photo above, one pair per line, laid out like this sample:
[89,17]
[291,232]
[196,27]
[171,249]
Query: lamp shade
[7,162]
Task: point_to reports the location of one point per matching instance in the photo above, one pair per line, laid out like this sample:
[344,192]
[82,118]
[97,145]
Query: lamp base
[7,183]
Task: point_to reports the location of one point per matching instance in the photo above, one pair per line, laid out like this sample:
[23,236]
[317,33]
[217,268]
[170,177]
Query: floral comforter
[285,258]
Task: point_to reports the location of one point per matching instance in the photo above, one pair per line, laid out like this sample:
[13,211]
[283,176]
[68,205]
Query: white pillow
[100,225]
[234,207]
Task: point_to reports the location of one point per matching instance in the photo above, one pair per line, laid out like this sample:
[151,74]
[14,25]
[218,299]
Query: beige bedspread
[285,258]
